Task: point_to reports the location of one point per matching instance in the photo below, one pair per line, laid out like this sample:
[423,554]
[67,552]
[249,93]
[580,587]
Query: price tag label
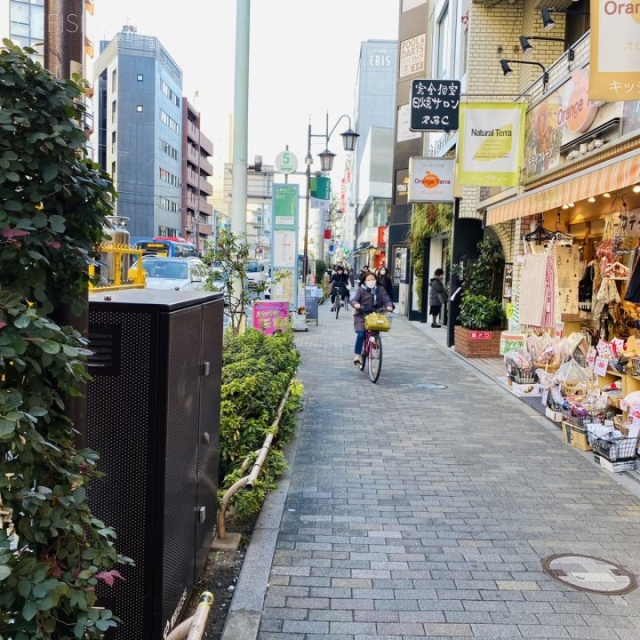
[600,366]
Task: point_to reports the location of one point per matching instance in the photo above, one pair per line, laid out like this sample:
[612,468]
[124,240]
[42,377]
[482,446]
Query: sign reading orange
[430,179]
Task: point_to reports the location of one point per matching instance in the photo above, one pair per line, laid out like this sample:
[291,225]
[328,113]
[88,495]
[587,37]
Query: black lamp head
[525,44]
[506,69]
[349,139]
[547,20]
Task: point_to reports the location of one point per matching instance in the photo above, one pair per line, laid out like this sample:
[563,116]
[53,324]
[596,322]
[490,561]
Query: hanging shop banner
[285,206]
[615,55]
[431,179]
[490,144]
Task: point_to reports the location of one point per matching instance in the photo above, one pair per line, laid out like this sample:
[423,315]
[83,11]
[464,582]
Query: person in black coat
[385,282]
[437,296]
[339,281]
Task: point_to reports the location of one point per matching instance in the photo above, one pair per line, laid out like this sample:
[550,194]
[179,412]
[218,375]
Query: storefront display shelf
[629,382]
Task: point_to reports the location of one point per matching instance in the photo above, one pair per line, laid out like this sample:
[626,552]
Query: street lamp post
[349,138]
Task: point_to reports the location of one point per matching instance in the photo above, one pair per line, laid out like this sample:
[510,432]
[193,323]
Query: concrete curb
[245,611]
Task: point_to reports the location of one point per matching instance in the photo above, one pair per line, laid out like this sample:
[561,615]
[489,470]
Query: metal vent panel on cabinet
[121,498]
[209,428]
[182,394]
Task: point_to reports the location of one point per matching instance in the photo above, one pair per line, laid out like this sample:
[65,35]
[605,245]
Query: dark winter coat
[370,299]
[385,282]
[436,292]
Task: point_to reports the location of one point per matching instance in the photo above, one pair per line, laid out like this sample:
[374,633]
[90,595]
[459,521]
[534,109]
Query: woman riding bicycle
[370,296]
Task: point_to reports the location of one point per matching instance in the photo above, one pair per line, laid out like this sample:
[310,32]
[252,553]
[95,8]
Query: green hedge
[256,371]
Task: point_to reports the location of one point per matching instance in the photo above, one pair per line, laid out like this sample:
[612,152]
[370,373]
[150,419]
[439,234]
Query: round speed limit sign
[286,162]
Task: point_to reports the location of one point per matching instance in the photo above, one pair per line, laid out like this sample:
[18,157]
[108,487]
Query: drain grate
[430,385]
[588,573]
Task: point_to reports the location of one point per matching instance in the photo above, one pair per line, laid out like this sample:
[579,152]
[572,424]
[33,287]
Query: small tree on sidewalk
[53,551]
[228,260]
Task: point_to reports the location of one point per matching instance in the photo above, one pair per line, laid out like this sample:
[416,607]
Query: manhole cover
[588,573]
[430,385]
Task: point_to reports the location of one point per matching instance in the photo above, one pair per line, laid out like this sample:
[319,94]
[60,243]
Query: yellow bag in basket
[377,322]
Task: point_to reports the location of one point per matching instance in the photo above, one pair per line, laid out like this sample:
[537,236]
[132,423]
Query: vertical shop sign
[615,51]
[431,179]
[434,105]
[490,144]
[285,206]
[412,55]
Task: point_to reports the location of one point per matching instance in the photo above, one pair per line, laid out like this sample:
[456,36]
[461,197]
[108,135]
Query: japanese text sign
[614,68]
[430,179]
[270,316]
[434,105]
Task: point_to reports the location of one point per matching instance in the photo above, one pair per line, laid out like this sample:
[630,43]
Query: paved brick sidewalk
[414,513]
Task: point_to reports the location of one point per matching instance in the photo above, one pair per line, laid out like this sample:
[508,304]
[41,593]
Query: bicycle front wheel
[375,358]
[338,305]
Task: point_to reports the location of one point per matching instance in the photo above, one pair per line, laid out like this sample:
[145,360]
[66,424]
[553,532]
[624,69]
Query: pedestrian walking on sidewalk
[385,282]
[370,296]
[437,297]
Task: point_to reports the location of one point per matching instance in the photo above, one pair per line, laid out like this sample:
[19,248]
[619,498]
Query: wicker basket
[620,425]
[578,388]
[547,366]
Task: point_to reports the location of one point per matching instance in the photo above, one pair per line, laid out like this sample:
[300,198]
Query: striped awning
[609,176]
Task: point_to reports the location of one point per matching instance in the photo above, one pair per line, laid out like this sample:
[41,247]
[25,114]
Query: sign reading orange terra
[430,179]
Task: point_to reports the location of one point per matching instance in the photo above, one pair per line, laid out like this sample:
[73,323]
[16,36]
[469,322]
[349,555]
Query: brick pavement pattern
[419,513]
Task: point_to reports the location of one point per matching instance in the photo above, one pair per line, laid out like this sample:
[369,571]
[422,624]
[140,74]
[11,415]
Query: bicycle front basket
[377,322]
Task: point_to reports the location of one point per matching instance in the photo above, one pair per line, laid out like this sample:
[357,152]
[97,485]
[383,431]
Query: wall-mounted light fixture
[507,70]
[526,45]
[547,20]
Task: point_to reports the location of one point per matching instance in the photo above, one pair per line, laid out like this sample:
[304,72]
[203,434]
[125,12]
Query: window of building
[113,137]
[140,77]
[113,111]
[114,80]
[26,25]
[165,118]
[113,168]
[139,108]
[443,43]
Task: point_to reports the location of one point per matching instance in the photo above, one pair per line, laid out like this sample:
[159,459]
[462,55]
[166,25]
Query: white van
[180,274]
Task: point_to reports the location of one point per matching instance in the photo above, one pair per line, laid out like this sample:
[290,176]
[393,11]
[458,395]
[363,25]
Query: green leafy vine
[428,219]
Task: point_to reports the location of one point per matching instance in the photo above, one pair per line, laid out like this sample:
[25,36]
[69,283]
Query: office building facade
[139,131]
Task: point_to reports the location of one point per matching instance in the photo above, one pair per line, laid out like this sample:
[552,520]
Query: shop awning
[611,175]
[362,249]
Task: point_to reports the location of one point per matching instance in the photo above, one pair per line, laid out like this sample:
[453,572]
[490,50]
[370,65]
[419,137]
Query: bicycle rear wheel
[375,358]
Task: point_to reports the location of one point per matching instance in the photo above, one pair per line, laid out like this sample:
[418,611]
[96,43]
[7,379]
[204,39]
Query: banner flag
[614,69]
[490,144]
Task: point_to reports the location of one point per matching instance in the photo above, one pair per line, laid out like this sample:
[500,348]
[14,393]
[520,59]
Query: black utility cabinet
[153,415]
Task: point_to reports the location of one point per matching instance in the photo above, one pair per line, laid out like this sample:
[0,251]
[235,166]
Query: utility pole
[64,40]
[241,119]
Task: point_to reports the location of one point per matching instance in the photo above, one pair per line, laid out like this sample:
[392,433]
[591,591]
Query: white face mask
[382,272]
[371,284]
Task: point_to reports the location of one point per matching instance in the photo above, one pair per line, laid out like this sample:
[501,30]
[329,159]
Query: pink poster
[270,316]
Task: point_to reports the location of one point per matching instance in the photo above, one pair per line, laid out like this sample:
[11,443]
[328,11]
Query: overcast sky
[304,60]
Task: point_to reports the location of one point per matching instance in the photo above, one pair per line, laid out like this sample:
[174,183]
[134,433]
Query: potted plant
[481,313]
[299,319]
